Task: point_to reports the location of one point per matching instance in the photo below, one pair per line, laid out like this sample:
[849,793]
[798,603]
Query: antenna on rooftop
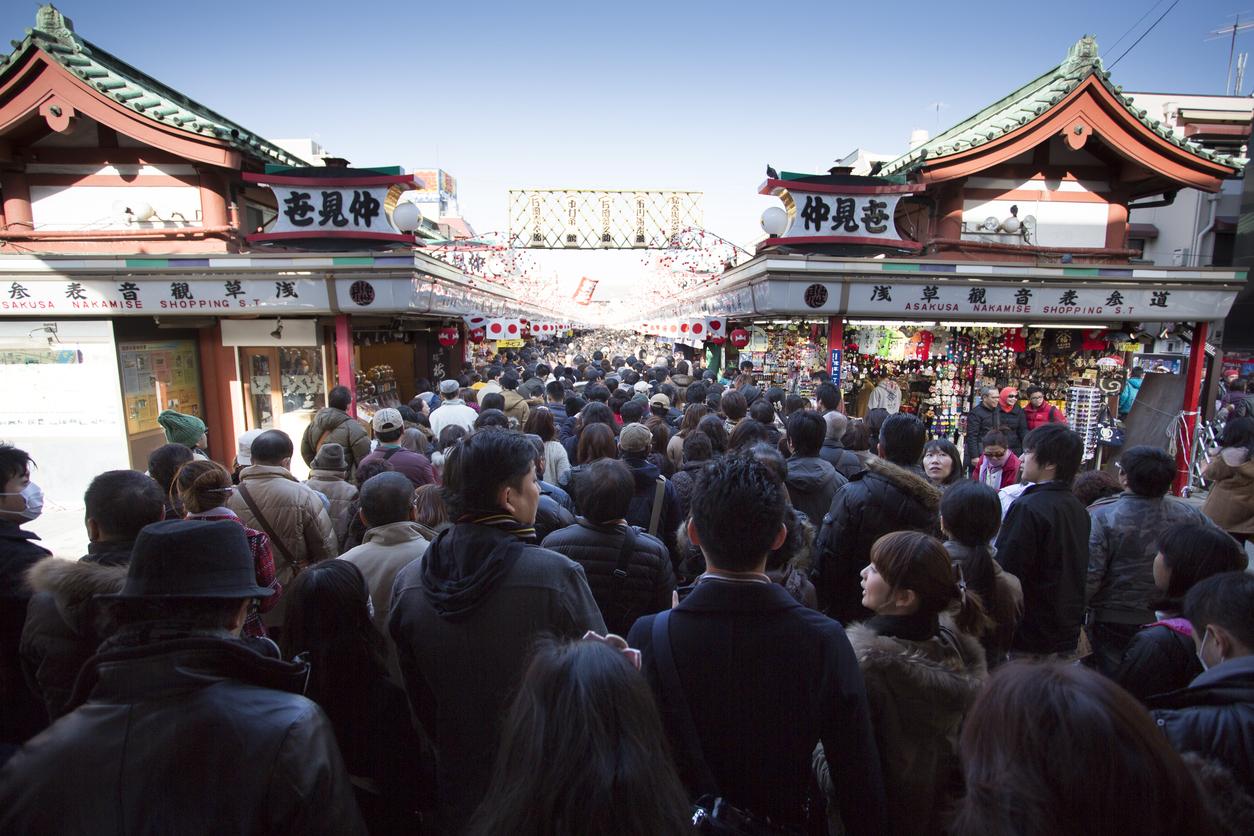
[938,107]
[1242,59]
[1224,31]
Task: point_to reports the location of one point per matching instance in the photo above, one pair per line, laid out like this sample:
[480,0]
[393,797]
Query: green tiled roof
[53,34]
[1033,100]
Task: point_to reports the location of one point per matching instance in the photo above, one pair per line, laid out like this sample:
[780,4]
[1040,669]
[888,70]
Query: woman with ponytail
[923,667]
[203,487]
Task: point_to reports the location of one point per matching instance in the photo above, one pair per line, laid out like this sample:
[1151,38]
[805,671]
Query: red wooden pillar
[344,358]
[835,341]
[1192,391]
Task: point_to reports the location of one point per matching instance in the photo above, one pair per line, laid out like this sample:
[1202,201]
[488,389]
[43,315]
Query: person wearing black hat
[178,721]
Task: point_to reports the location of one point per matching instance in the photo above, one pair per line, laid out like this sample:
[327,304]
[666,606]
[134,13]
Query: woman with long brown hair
[693,413]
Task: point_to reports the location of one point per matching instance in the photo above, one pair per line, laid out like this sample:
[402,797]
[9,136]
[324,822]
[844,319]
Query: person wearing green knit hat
[187,430]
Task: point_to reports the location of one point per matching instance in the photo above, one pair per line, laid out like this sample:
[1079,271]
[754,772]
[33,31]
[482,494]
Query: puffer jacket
[1161,658]
[1122,546]
[1230,503]
[846,462]
[60,633]
[812,484]
[879,500]
[22,713]
[333,485]
[641,511]
[596,547]
[341,428]
[980,422]
[551,516]
[683,482]
[121,762]
[516,406]
[1213,717]
[296,515]
[919,692]
[383,553]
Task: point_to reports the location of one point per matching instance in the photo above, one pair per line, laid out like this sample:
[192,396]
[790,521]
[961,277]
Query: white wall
[91,207]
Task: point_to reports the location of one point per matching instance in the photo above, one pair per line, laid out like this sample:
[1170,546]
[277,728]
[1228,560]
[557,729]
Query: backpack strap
[659,493]
[674,698]
[278,544]
[620,570]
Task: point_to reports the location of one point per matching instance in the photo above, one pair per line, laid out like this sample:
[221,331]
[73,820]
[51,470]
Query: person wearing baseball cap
[389,426]
[174,696]
[652,488]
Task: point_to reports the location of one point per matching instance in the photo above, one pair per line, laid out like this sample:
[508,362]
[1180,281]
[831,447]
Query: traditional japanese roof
[54,36]
[1041,99]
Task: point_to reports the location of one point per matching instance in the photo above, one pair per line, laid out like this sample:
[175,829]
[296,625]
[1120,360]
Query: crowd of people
[593,589]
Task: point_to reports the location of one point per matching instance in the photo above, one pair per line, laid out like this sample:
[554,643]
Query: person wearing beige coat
[1230,503]
[293,511]
[327,477]
[393,540]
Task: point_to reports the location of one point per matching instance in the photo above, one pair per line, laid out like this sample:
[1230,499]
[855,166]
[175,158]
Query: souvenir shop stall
[783,354]
[940,369]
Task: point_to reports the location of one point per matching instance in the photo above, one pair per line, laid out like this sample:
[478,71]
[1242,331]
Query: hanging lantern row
[690,330]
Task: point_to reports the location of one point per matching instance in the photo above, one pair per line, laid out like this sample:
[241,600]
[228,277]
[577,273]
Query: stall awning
[1142,231]
[1226,223]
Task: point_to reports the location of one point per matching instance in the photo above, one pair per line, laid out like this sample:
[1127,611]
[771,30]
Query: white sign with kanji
[331,210]
[843,216]
[169,294]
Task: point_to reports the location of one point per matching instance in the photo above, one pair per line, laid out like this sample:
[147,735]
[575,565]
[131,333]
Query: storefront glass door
[284,387]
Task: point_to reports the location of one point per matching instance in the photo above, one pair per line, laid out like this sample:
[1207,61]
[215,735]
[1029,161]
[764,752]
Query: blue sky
[644,95]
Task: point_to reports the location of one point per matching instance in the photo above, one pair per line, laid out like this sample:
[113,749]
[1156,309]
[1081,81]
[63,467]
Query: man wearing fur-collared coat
[892,494]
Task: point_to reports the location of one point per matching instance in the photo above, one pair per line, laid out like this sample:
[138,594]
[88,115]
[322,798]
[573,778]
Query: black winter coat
[1016,421]
[1044,542]
[812,484]
[1158,660]
[191,734]
[21,712]
[551,517]
[1214,717]
[650,578]
[835,454]
[879,500]
[683,482]
[642,505]
[980,422]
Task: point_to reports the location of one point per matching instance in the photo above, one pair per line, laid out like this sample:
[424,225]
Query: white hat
[641,386]
[448,387]
[244,453]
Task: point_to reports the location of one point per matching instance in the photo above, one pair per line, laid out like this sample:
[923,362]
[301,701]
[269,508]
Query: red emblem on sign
[448,337]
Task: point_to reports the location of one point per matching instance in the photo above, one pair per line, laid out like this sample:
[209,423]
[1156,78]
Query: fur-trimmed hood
[949,668]
[74,584]
[912,482]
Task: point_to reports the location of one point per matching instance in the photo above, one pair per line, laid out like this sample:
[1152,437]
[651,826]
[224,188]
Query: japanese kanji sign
[123,296]
[827,213]
[329,207]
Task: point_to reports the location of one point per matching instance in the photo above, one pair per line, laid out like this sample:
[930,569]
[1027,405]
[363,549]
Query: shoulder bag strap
[278,544]
[392,451]
[674,697]
[620,571]
[322,439]
[659,494]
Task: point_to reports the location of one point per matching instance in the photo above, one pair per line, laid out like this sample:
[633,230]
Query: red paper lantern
[448,337]
[718,340]
[740,338]
[475,336]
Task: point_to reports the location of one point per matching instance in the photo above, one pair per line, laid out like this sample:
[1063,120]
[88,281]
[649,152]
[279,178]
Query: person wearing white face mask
[1214,715]
[21,500]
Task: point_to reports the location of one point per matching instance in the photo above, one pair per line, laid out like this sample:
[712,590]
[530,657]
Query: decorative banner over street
[600,219]
[583,293]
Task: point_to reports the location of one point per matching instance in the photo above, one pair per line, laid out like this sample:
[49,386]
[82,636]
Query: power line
[1147,31]
[1133,26]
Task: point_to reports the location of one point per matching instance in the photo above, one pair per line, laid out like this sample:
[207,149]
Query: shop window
[282,381]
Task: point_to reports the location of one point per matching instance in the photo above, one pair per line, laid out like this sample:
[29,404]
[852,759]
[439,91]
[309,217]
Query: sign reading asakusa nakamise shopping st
[177,294]
[962,300]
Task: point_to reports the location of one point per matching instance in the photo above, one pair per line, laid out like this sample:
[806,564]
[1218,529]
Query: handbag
[711,814]
[1108,435]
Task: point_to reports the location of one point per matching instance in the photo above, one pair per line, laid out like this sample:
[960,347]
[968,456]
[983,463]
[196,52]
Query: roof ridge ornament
[1083,52]
[53,23]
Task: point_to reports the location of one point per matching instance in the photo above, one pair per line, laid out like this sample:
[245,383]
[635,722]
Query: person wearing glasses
[999,466]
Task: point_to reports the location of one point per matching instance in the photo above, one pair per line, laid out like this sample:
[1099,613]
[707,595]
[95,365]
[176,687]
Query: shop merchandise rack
[1084,406]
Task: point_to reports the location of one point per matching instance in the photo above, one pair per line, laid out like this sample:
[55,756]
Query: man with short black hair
[812,482]
[632,412]
[393,541]
[61,633]
[555,394]
[1044,542]
[1213,716]
[828,398]
[290,513]
[892,494]
[492,379]
[628,570]
[388,429]
[333,423]
[1122,545]
[533,387]
[634,442]
[465,617]
[179,725]
[755,676]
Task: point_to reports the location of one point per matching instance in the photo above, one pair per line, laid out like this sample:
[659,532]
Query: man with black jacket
[465,618]
[833,450]
[761,678]
[629,572]
[1213,716]
[179,724]
[892,494]
[981,420]
[1044,542]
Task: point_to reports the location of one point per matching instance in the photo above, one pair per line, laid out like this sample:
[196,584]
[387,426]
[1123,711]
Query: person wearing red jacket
[1038,412]
[999,466]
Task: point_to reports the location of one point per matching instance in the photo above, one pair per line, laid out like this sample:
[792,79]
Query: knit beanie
[330,457]
[181,429]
